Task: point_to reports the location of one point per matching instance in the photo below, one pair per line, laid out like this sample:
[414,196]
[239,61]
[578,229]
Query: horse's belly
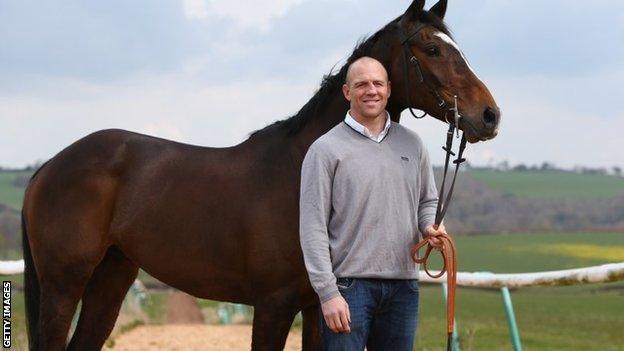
[206,265]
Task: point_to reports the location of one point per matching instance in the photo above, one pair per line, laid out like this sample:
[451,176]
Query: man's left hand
[434,229]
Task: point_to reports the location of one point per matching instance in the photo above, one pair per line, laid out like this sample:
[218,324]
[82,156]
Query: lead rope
[446,246]
[442,242]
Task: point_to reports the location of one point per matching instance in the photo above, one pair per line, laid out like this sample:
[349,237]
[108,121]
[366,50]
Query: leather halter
[438,242]
[409,58]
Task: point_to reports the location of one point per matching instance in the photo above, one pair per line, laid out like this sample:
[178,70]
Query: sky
[209,72]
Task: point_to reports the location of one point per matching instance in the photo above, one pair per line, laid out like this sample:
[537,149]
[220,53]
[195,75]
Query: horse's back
[106,152]
[81,183]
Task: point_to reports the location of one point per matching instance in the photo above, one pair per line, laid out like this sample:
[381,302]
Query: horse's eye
[432,51]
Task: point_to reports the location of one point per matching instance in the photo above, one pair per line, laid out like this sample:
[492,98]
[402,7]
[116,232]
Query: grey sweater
[362,204]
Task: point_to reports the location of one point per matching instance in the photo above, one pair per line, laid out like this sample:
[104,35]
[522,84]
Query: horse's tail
[31,290]
[31,279]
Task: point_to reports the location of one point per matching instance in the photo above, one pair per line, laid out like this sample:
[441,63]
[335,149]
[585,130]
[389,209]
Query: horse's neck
[327,115]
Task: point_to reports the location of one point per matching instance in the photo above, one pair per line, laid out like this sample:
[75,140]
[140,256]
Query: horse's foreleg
[271,324]
[102,300]
[311,338]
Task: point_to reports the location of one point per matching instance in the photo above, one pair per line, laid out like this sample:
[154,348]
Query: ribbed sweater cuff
[426,222]
[328,292]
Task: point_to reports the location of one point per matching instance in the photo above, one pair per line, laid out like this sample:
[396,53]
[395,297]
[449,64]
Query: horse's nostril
[489,117]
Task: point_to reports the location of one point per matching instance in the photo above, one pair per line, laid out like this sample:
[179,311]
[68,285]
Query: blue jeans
[384,315]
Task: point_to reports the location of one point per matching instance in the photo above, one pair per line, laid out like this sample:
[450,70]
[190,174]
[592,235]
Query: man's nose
[371,89]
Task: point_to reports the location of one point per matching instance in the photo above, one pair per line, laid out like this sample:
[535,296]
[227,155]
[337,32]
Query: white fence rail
[11,267]
[597,274]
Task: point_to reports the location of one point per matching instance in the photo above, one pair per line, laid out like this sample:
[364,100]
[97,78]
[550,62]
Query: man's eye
[432,51]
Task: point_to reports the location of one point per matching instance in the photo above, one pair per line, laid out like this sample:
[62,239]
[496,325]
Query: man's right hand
[337,315]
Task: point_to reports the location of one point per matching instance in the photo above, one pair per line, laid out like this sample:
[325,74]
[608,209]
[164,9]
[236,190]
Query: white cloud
[247,15]
[195,9]
[537,124]
[172,107]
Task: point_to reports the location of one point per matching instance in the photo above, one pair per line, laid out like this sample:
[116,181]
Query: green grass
[11,195]
[551,184]
[583,317]
[548,319]
[516,253]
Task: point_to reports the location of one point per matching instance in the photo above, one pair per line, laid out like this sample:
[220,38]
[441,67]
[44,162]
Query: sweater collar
[364,131]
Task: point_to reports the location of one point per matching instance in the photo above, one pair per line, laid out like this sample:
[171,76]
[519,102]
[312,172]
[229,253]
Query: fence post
[511,320]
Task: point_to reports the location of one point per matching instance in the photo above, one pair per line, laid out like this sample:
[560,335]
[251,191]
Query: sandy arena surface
[192,337]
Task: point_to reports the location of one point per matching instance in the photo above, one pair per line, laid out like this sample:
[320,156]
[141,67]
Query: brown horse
[218,223]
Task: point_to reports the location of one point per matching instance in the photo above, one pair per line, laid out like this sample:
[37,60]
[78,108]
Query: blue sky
[209,72]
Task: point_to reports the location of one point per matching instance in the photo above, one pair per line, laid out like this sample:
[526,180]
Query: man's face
[367,88]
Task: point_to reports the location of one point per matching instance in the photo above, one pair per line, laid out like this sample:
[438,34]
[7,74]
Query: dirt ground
[186,331]
[193,337]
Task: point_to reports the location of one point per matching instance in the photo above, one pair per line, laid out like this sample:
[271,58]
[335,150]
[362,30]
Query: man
[367,188]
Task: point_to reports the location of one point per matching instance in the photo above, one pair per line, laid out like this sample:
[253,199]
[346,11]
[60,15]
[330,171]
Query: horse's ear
[439,9]
[414,10]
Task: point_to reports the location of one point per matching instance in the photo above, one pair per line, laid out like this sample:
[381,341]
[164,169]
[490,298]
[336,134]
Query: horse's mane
[332,82]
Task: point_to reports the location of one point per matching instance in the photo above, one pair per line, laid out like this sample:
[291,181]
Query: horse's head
[428,70]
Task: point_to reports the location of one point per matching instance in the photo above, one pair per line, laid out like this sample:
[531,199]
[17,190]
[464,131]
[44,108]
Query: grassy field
[531,184]
[11,195]
[548,319]
[538,252]
[588,317]
[551,184]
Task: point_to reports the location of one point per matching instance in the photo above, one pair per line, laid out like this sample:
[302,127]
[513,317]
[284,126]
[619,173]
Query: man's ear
[345,92]
[389,88]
